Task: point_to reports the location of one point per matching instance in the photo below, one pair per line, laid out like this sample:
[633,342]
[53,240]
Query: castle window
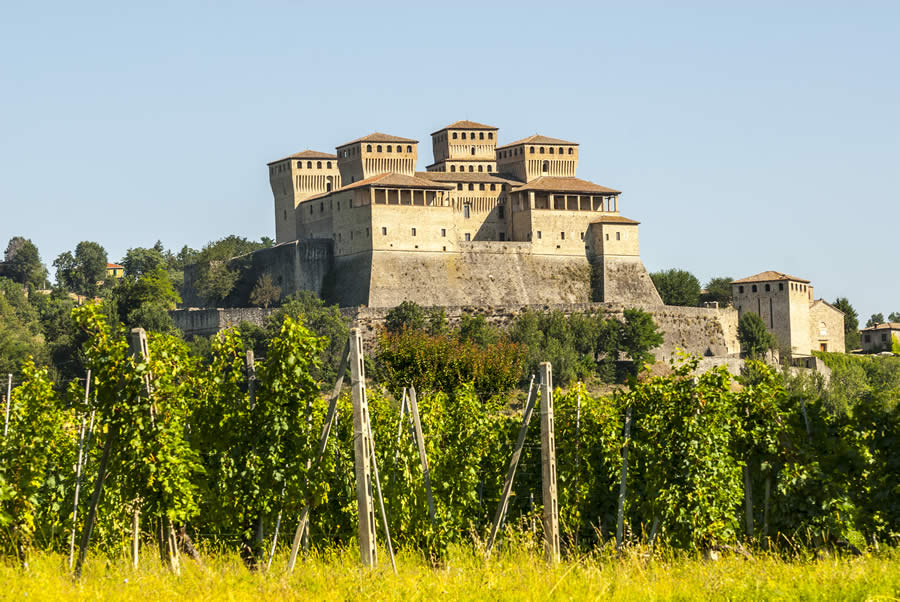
[321,207]
[560,150]
[562,235]
[753,288]
[463,135]
[299,164]
[368,148]
[351,234]
[471,186]
[388,148]
[503,236]
[542,150]
[408,148]
[500,211]
[883,338]
[781,286]
[493,187]
[384,231]
[741,289]
[378,148]
[571,151]
[607,236]
[471,168]
[868,338]
[490,135]
[481,186]
[618,236]
[329,165]
[444,232]
[453,168]
[459,186]
[489,169]
[338,205]
[582,236]
[532,150]
[472,135]
[539,234]
[467,212]
[473,151]
[367,233]
[551,150]
[454,135]
[285,214]
[768,288]
[309,164]
[480,167]
[310,209]
[481,135]
[339,237]
[413,231]
[319,164]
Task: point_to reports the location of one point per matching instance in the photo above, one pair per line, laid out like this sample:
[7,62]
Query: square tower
[296,178]
[377,154]
[782,301]
[465,146]
[538,156]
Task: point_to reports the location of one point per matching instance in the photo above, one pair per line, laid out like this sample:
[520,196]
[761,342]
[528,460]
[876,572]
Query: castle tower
[465,146]
[377,154]
[538,156]
[782,301]
[296,178]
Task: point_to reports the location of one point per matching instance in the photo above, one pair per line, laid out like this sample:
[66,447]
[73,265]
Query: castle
[483,225]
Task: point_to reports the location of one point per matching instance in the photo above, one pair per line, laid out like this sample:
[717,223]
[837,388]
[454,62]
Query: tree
[145,301]
[82,271]
[875,319]
[408,315]
[677,287]
[140,260]
[894,316]
[216,281]
[638,335]
[265,292]
[754,338]
[851,323]
[718,290]
[20,330]
[23,263]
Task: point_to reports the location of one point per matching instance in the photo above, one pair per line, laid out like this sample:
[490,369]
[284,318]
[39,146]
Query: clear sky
[744,136]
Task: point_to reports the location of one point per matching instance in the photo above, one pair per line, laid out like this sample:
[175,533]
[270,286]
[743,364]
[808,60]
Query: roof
[113,265]
[769,276]
[465,124]
[614,219]
[557,184]
[465,176]
[379,137]
[538,139]
[396,180]
[307,154]
[827,304]
[883,326]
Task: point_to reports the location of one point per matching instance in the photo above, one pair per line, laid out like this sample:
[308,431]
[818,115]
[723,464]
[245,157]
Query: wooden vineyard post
[330,418]
[420,443]
[548,465]
[111,437]
[620,518]
[511,474]
[137,343]
[78,467]
[362,452]
[8,404]
[257,547]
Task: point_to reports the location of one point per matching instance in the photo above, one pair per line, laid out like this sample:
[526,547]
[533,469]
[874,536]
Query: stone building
[790,312]
[484,224]
[878,338]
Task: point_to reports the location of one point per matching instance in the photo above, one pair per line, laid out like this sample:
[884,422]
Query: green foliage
[677,287]
[215,281]
[718,290]
[144,301]
[875,319]
[895,345]
[894,316]
[851,323]
[638,335]
[266,292]
[754,338]
[20,328]
[22,263]
[408,315]
[81,272]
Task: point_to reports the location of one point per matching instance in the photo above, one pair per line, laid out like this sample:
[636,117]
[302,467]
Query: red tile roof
[307,154]
[614,219]
[769,276]
[396,180]
[379,137]
[538,139]
[465,125]
[557,184]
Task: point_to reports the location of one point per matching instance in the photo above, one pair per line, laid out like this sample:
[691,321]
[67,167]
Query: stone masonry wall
[205,322]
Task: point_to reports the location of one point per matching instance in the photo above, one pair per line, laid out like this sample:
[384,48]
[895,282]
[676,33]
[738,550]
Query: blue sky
[744,136]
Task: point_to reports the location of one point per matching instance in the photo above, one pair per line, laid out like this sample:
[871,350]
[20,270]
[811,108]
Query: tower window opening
[388,148]
[481,186]
[551,150]
[489,169]
[768,288]
[378,148]
[309,165]
[473,151]
[454,135]
[490,135]
[299,164]
[753,288]
[481,135]
[471,168]
[542,150]
[319,164]
[463,135]
[384,231]
[368,148]
[571,151]
[471,186]
[480,167]
[453,168]
[328,165]
[409,148]
[467,211]
[532,150]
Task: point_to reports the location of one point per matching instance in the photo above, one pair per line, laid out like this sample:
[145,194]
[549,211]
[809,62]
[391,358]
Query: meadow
[513,573]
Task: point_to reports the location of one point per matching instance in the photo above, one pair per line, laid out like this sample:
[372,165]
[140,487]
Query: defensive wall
[208,321]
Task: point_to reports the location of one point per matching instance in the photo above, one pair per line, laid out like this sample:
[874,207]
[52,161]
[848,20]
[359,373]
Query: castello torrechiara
[485,224]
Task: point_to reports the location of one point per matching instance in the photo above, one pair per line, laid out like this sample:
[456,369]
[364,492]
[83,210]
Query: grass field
[511,575]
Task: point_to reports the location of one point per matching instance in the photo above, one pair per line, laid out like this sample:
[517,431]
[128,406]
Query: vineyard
[161,452]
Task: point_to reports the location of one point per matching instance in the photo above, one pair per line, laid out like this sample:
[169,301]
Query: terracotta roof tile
[465,176]
[307,154]
[614,219]
[883,326]
[379,137]
[112,265]
[465,124]
[769,276]
[538,139]
[396,180]
[557,184]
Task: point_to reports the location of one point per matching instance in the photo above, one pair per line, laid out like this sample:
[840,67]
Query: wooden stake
[78,465]
[8,404]
[137,343]
[330,418]
[548,466]
[111,436]
[511,473]
[620,518]
[362,452]
[384,518]
[748,500]
[420,443]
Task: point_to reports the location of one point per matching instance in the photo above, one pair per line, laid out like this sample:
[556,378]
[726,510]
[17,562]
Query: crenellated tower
[296,178]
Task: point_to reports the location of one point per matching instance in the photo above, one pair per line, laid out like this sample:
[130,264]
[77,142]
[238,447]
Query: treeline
[205,447]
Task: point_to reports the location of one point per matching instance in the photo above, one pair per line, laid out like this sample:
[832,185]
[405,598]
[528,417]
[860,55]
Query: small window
[883,338]
[480,167]
[473,151]
[285,214]
[310,209]
[409,148]
[351,234]
[463,135]
[532,150]
[388,148]
[607,236]
[413,231]
[741,289]
[868,338]
[299,164]
[539,234]
[571,151]
[503,236]
[454,135]
[481,186]
[768,288]
[500,211]
[338,205]
[551,150]
[753,288]
[367,233]
[468,236]
[618,236]
[493,186]
[339,237]
[328,165]
[471,186]
[562,235]
[444,232]
[481,135]
[467,211]
[582,236]
[781,286]
[459,186]
[489,169]
[378,148]
[560,150]
[490,135]
[453,168]
[321,207]
[368,148]
[309,165]
[383,231]
[319,164]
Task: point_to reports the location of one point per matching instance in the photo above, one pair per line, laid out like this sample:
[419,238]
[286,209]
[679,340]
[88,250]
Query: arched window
[454,135]
[490,135]
[480,168]
[489,169]
[472,135]
[481,187]
[453,168]
[378,148]
[328,184]
[473,151]
[388,148]
[481,135]
[368,148]
[299,164]
[409,148]
[309,164]
[542,150]
[545,167]
[467,210]
[532,150]
[560,150]
[471,186]
[493,187]
[551,150]
[571,151]
[463,135]
[471,168]
[319,164]
[328,165]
